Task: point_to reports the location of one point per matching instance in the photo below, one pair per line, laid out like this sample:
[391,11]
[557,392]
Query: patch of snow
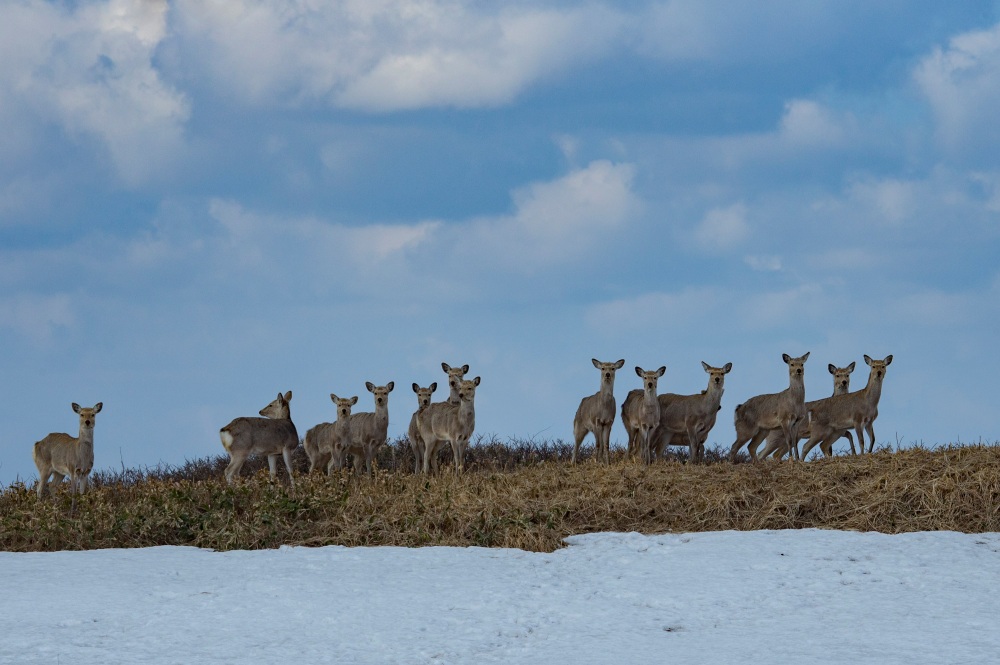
[808,596]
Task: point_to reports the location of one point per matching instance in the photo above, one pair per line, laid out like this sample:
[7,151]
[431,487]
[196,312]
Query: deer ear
[785,357]
[76,408]
[354,400]
[661,371]
[333,398]
[868,360]
[288,396]
[727,368]
[446,367]
[806,357]
[705,366]
[888,360]
[831,368]
[465,369]
[434,386]
[597,363]
[100,405]
[620,364]
[850,368]
[415,387]
[392,384]
[370,386]
[475,381]
[638,371]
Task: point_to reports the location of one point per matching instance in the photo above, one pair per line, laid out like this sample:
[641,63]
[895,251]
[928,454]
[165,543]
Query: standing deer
[456,373]
[786,410]
[454,423]
[59,455]
[596,413]
[841,384]
[829,419]
[324,443]
[686,420]
[641,413]
[273,435]
[416,442]
[369,430]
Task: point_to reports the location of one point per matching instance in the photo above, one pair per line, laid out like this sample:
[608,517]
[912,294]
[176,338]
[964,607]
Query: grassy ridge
[520,495]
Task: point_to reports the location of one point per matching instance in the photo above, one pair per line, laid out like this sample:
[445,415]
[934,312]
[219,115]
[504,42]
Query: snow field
[808,596]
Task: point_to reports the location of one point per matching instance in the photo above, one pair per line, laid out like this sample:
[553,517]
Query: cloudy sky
[203,203]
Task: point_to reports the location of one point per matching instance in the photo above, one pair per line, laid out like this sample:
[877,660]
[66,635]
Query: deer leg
[235,464]
[578,434]
[870,428]
[606,443]
[693,443]
[272,465]
[286,454]
[754,442]
[850,438]
[859,429]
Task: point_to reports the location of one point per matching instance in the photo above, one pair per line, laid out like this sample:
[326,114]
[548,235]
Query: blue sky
[205,203]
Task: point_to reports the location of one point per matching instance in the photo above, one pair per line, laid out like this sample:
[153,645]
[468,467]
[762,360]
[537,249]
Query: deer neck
[873,390]
[797,387]
[607,388]
[713,395]
[85,440]
[649,395]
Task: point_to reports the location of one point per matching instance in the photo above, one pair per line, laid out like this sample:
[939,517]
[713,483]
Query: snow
[806,596]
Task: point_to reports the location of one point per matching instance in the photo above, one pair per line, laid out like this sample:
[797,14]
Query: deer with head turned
[786,410]
[443,422]
[686,420]
[596,413]
[416,442]
[641,413]
[273,435]
[59,455]
[841,385]
[324,443]
[832,417]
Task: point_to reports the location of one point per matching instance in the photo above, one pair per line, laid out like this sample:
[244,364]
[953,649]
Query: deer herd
[653,422]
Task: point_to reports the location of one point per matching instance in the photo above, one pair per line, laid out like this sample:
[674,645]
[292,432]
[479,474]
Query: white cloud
[962,84]
[722,229]
[391,54]
[36,316]
[555,222]
[763,263]
[808,123]
[891,200]
[656,311]
[90,70]
[254,236]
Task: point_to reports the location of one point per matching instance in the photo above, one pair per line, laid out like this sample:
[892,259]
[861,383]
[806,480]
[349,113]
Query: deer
[416,442]
[444,422]
[829,419]
[369,430]
[841,384]
[458,374]
[596,413]
[686,420]
[59,455]
[273,435]
[641,413]
[324,443]
[786,410]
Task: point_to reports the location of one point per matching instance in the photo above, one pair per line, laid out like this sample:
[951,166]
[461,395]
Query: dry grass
[521,495]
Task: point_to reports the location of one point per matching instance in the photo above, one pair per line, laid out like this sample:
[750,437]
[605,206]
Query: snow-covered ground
[759,597]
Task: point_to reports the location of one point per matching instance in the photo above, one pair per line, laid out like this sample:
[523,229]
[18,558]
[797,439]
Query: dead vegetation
[515,494]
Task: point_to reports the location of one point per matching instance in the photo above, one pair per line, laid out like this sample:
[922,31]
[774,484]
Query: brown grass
[532,504]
